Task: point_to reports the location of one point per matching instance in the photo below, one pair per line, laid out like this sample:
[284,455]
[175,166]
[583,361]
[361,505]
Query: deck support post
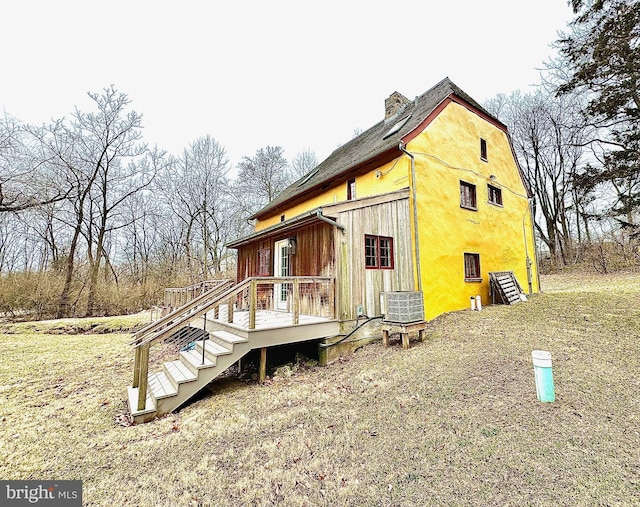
[262,370]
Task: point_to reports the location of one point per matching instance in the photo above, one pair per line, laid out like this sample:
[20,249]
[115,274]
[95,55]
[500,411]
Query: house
[428,201]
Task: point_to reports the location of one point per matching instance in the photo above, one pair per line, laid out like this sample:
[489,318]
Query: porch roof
[310,217]
[325,214]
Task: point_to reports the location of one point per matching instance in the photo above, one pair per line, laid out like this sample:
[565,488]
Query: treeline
[94,221]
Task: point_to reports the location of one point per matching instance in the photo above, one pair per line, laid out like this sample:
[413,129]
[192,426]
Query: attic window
[351,189]
[483,150]
[396,128]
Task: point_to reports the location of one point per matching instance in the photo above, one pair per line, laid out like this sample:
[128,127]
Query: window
[483,150]
[378,252]
[472,267]
[467,195]
[351,189]
[495,195]
[264,262]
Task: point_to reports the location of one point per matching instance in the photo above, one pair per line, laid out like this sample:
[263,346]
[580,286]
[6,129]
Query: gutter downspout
[321,217]
[415,211]
[535,248]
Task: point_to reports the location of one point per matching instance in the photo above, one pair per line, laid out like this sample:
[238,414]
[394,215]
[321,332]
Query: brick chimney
[394,103]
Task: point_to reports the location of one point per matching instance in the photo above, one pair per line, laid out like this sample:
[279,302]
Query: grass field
[452,421]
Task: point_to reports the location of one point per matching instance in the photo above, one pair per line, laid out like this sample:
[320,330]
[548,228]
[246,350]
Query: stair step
[179,372]
[160,386]
[229,337]
[149,408]
[193,360]
[213,348]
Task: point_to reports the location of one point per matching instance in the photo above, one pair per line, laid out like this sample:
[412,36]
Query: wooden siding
[314,253]
[357,285]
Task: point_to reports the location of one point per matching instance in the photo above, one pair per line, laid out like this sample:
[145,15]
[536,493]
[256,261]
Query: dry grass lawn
[452,421]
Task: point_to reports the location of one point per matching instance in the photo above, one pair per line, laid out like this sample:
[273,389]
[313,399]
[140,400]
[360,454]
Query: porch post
[295,304]
[253,298]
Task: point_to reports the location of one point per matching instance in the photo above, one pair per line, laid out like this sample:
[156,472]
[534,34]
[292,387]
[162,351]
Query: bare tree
[105,163]
[196,188]
[549,137]
[261,178]
[303,163]
[27,179]
[138,241]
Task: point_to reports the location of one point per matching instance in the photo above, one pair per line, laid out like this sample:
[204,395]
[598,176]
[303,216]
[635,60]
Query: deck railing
[175,297]
[293,296]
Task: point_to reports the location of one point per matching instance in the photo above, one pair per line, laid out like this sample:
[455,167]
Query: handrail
[169,318]
[180,315]
[192,286]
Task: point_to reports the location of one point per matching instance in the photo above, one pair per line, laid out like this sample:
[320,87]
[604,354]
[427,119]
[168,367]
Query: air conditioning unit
[402,306]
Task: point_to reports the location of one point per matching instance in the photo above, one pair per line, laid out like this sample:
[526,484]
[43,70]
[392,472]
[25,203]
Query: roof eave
[380,157]
[281,227]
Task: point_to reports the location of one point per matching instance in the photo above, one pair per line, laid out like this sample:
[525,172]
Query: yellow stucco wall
[367,185]
[446,152]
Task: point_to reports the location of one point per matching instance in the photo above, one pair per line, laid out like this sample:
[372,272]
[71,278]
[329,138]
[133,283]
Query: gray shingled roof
[371,144]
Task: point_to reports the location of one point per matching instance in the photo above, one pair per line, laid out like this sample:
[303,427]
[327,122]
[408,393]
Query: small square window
[472,267]
[378,252]
[351,189]
[483,150]
[468,195]
[495,195]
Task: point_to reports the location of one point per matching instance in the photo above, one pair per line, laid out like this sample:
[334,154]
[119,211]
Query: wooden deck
[228,336]
[265,319]
[273,327]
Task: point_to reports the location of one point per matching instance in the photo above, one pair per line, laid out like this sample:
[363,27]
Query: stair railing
[164,328]
[169,319]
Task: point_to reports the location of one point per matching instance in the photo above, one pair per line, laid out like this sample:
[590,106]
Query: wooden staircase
[505,285]
[224,324]
[181,379]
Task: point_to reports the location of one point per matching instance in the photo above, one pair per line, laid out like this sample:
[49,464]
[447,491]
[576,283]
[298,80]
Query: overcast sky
[254,73]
